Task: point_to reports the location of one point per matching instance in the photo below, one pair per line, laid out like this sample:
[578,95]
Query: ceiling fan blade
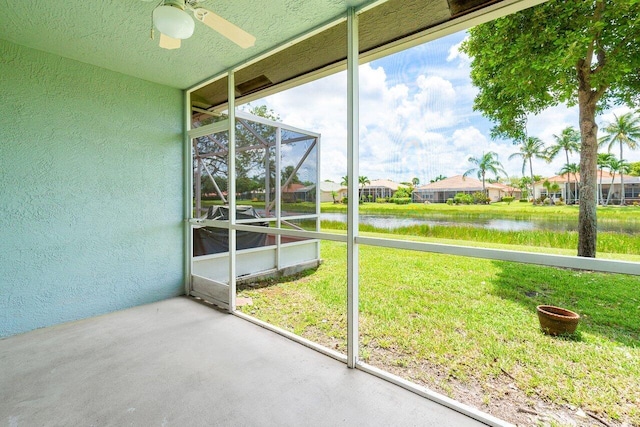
[167,42]
[224,27]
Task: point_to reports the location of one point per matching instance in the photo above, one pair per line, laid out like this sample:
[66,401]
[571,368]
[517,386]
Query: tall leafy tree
[288,173]
[488,162]
[530,147]
[438,178]
[624,130]
[574,52]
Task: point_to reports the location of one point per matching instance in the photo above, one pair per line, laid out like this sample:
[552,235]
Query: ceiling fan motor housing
[171,19]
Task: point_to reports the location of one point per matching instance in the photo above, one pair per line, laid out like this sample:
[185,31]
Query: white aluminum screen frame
[352,237]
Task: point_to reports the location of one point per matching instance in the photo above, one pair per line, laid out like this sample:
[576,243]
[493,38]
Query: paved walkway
[181,363]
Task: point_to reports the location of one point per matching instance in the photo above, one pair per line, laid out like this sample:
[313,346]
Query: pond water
[392,222]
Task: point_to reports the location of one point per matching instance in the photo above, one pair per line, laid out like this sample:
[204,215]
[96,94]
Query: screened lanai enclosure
[276,176]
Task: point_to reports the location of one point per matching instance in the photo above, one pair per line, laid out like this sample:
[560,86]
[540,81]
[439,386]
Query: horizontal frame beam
[550,260]
[342,238]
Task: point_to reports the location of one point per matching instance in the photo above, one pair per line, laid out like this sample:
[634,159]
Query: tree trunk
[566,152]
[600,195]
[587,221]
[533,184]
[613,176]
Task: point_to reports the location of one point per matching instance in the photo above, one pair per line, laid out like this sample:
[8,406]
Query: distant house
[440,191]
[292,192]
[568,186]
[379,188]
[327,188]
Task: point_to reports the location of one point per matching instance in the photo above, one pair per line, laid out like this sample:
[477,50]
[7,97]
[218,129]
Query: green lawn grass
[608,242]
[514,210]
[470,321]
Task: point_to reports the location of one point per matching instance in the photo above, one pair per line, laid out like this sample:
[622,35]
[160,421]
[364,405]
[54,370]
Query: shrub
[547,201]
[450,201]
[524,201]
[402,200]
[540,200]
[479,198]
[636,204]
[381,200]
[559,202]
[508,199]
[345,200]
[370,198]
[461,198]
[402,193]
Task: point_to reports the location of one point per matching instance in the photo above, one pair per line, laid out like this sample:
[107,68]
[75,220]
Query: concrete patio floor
[181,363]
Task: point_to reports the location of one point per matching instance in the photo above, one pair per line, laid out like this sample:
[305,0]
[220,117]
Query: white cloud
[414,121]
[456,53]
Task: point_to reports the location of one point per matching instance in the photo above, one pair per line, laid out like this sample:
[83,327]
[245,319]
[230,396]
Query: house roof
[606,178]
[462,183]
[292,188]
[386,183]
[115,35]
[306,189]
[454,183]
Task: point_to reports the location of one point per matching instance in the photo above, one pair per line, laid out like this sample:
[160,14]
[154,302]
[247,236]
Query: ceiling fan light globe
[174,22]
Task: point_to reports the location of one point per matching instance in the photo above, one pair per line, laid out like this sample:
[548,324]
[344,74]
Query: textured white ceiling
[115,34]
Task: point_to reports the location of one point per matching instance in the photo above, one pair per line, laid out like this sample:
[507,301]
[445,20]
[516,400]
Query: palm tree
[552,188]
[568,169]
[415,181]
[604,159]
[616,166]
[546,184]
[624,130]
[438,178]
[488,162]
[525,181]
[569,142]
[363,180]
[345,181]
[529,148]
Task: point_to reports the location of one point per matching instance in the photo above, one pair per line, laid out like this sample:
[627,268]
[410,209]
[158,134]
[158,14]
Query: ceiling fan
[174,24]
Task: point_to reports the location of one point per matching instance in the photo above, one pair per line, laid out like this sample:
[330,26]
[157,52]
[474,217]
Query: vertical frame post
[231,189]
[187,191]
[278,183]
[352,175]
[267,183]
[318,194]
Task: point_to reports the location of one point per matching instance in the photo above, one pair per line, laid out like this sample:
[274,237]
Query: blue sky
[416,117]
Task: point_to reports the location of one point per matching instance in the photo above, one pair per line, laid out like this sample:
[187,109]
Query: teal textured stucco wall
[90,190]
